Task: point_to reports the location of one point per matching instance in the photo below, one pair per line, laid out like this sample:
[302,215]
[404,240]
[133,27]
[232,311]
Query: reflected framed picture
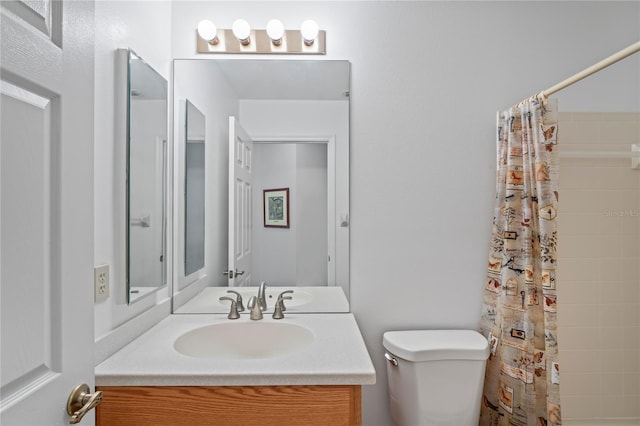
[276,208]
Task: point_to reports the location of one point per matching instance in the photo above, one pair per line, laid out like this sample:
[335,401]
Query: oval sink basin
[298,297]
[251,340]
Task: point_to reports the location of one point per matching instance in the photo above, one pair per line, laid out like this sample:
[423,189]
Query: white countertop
[304,299]
[337,356]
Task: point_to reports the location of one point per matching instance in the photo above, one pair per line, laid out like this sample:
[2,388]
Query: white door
[240,205]
[46,208]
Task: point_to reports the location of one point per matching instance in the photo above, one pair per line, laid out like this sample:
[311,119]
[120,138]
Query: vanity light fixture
[309,30]
[208,31]
[275,39]
[275,31]
[242,30]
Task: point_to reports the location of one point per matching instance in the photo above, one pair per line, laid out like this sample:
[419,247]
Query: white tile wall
[599,268]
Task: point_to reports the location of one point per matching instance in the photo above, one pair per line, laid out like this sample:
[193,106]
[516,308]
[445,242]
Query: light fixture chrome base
[292,44]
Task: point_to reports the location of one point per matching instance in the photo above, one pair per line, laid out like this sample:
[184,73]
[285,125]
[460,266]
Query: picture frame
[276,208]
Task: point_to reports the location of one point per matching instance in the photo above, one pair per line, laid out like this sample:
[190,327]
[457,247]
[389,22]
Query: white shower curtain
[519,310]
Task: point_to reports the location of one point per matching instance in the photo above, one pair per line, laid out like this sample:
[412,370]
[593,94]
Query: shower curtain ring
[542,98]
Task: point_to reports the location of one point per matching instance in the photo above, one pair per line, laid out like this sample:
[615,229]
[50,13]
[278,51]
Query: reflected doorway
[298,255]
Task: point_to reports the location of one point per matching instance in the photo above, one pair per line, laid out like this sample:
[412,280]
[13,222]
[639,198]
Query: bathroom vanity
[304,369]
[203,368]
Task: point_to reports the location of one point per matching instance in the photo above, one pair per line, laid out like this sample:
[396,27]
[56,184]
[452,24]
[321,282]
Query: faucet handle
[238,300]
[233,313]
[279,307]
[284,308]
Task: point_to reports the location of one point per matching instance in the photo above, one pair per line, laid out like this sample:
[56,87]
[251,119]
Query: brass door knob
[81,401]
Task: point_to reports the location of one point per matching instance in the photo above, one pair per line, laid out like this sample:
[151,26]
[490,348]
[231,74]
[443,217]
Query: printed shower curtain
[519,311]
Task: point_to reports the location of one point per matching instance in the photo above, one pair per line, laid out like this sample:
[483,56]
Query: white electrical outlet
[100,283]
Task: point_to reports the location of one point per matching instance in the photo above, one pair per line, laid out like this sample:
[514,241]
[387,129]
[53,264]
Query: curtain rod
[628,51]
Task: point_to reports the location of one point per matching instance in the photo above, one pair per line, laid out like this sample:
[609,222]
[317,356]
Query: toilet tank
[435,376]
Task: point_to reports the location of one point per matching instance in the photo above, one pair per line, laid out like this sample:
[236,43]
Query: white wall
[120,24]
[427,79]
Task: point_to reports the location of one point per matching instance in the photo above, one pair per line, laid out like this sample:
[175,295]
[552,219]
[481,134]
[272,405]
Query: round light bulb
[275,31]
[309,31]
[208,31]
[242,30]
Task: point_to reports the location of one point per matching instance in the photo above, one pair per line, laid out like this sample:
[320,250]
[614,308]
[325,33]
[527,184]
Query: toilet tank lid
[432,345]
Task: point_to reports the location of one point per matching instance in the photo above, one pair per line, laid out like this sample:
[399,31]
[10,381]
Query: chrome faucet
[262,298]
[255,313]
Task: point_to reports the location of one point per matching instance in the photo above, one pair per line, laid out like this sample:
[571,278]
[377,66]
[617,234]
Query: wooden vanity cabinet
[320,405]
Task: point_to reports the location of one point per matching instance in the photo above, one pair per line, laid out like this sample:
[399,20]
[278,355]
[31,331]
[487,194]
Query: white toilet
[435,376]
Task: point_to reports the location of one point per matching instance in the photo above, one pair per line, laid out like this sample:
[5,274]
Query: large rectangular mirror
[272,124]
[146,152]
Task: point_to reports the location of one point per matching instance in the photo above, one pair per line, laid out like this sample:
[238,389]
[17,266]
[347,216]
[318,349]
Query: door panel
[26,182]
[44,16]
[240,196]
[46,208]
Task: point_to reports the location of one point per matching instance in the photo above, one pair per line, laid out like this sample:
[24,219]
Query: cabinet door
[230,406]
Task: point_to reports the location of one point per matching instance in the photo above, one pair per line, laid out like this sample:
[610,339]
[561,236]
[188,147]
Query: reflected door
[46,220]
[240,205]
